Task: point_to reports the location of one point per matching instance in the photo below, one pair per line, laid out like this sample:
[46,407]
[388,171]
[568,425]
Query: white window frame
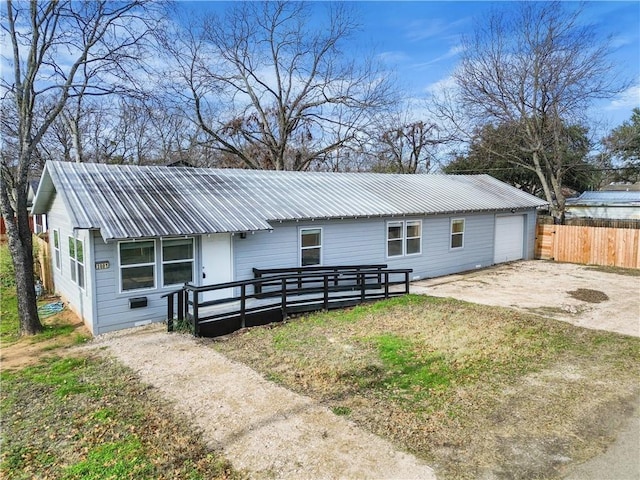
[396,223]
[301,248]
[56,250]
[404,237]
[39,223]
[452,233]
[75,264]
[154,263]
[164,262]
[407,237]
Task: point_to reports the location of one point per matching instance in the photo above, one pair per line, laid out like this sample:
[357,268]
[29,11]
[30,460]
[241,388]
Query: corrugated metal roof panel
[606,198]
[130,201]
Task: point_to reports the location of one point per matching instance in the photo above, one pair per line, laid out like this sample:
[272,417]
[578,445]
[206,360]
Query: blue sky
[420,41]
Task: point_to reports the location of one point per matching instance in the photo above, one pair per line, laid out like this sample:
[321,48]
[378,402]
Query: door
[509,240]
[216,264]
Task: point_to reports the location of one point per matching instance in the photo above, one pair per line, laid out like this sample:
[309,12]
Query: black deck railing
[274,294]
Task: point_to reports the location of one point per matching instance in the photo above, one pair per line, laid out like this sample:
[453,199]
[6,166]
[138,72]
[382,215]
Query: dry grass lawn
[477,391]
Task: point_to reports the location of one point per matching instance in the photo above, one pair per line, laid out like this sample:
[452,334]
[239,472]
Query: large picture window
[310,247]
[137,265]
[177,261]
[404,238]
[76,261]
[457,233]
[56,248]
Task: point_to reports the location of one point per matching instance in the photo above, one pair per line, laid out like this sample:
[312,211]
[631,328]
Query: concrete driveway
[581,295]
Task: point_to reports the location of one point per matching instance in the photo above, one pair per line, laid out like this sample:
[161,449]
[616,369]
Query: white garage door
[509,238]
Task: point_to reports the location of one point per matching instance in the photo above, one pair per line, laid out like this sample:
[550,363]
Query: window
[177,261]
[56,248]
[394,239]
[414,237]
[39,223]
[457,233]
[310,247]
[76,261]
[404,238]
[137,265]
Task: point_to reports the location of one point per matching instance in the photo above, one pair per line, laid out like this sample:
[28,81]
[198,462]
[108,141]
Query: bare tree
[58,50]
[534,64]
[272,91]
[407,148]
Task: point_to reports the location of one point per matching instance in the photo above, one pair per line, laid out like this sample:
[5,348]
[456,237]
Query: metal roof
[124,201]
[602,198]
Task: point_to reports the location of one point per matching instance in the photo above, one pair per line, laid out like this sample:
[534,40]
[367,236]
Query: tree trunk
[556,210]
[21,248]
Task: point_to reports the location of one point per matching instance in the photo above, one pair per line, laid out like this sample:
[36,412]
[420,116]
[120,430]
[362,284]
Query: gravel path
[262,428]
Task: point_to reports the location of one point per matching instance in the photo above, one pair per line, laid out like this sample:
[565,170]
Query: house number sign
[102,265]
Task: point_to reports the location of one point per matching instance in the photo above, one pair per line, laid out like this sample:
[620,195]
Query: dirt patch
[29,351]
[562,291]
[589,295]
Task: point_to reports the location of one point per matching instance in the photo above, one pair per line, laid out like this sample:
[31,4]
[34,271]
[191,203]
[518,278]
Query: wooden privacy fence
[589,245]
[42,263]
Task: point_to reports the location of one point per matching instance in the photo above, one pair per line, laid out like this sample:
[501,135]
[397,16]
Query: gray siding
[476,252]
[113,311]
[344,242]
[78,299]
[363,241]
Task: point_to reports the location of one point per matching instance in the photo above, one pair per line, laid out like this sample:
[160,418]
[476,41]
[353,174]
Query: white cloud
[444,84]
[429,28]
[626,100]
[619,41]
[393,57]
[452,52]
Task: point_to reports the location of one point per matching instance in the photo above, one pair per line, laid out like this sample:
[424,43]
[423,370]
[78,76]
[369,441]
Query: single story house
[624,205]
[119,233]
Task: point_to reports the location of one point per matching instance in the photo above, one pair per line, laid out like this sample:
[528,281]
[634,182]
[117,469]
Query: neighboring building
[119,233]
[37,223]
[180,163]
[622,187]
[623,205]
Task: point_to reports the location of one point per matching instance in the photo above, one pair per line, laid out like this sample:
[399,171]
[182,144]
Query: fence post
[326,293]
[257,287]
[196,324]
[170,312]
[283,298]
[386,284]
[243,303]
[362,283]
[181,303]
[406,282]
